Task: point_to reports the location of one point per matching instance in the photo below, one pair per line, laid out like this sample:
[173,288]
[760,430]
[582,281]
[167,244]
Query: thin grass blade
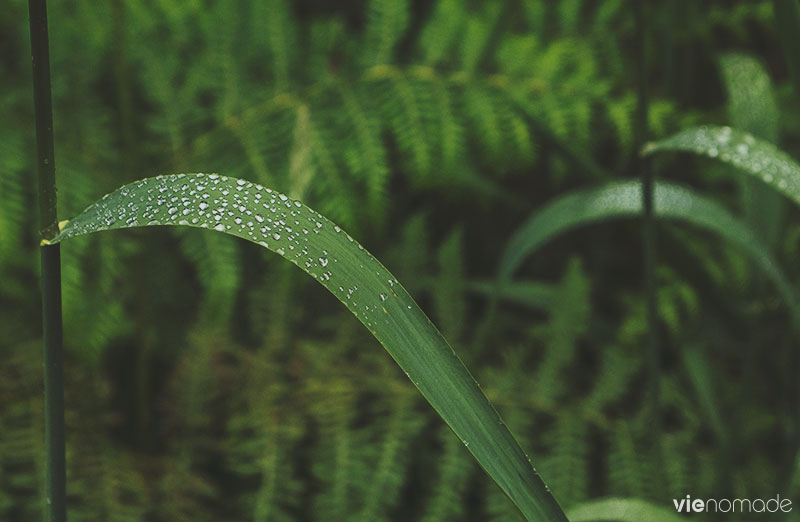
[533,294]
[624,199]
[621,510]
[740,149]
[751,103]
[752,108]
[357,279]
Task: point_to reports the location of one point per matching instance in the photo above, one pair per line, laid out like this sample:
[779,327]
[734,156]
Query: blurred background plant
[211,381]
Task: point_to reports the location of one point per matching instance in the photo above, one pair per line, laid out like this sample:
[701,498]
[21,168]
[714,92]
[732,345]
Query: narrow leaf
[533,294]
[358,280]
[624,199]
[751,104]
[752,108]
[740,149]
[621,510]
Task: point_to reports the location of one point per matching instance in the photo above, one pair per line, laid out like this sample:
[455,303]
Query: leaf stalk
[55,504]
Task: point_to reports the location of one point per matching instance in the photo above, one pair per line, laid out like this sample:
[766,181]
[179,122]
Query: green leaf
[751,105]
[621,510]
[740,149]
[387,21]
[752,108]
[529,293]
[358,280]
[624,199]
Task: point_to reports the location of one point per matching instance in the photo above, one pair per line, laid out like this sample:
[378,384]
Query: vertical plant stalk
[645,168]
[55,502]
[55,507]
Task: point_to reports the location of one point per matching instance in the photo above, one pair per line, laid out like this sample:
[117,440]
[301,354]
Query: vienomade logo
[738,505]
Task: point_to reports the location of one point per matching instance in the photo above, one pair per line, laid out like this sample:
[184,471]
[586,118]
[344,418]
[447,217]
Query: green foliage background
[208,381]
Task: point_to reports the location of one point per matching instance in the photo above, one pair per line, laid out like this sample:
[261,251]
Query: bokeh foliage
[208,381]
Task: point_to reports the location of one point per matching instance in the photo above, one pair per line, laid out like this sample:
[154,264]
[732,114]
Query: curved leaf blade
[624,199]
[751,104]
[357,279]
[744,151]
[621,510]
[533,294]
[752,108]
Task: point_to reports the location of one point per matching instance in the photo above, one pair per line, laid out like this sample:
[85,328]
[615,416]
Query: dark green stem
[55,504]
[40,59]
[648,222]
[55,507]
